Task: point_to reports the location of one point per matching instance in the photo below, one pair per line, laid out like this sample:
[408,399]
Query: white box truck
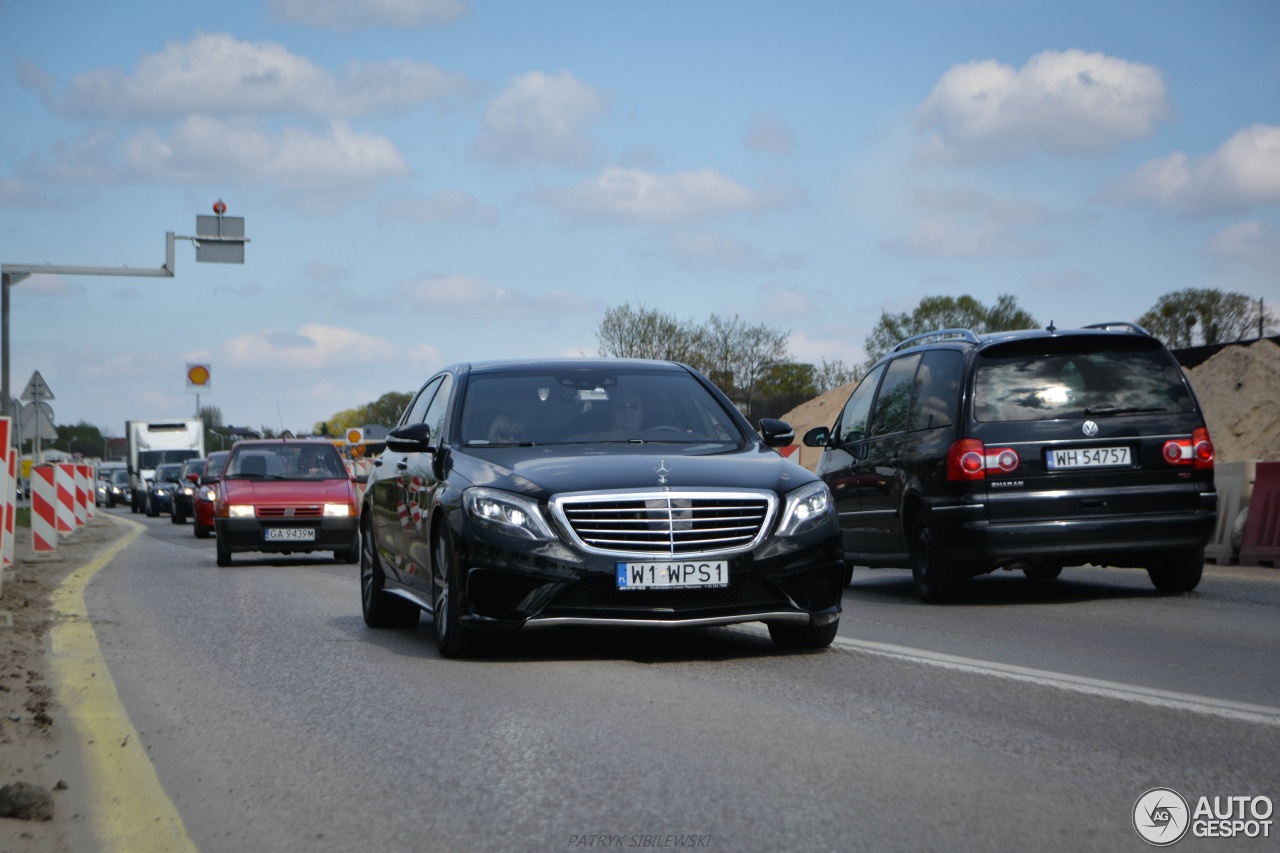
[153,443]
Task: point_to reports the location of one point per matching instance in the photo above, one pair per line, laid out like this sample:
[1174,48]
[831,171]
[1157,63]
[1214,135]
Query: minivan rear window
[1045,380]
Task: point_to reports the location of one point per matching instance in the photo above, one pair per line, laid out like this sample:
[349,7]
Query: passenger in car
[507,429]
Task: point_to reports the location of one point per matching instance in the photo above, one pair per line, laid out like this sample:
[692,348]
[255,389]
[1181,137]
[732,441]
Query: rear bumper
[966,535]
[250,534]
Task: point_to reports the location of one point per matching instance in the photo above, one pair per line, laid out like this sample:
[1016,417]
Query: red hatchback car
[286,496]
[202,510]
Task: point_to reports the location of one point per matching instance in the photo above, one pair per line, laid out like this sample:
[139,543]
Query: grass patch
[22,518]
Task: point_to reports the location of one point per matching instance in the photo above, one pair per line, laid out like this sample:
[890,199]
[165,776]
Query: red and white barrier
[44,509]
[64,478]
[79,472]
[11,508]
[8,493]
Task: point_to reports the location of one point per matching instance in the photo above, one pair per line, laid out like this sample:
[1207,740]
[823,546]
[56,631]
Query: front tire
[1178,571]
[453,639]
[803,637]
[380,609]
[937,579]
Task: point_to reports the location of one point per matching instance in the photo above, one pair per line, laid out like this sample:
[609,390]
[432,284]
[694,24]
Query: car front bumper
[250,534]
[781,581]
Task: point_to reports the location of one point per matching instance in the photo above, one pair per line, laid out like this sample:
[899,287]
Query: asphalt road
[1025,717]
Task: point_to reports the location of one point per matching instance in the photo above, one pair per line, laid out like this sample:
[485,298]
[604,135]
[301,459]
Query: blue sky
[431,181]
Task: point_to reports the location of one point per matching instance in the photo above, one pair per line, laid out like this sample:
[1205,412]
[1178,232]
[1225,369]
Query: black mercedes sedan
[527,494]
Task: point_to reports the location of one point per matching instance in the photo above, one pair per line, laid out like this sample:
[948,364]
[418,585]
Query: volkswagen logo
[1090,428]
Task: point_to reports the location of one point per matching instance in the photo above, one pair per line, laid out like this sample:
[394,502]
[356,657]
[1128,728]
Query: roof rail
[1119,324]
[939,333]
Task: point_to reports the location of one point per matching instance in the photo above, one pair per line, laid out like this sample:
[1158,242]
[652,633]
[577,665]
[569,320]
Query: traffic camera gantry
[218,239]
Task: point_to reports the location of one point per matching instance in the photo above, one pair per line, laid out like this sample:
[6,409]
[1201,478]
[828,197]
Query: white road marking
[1241,711]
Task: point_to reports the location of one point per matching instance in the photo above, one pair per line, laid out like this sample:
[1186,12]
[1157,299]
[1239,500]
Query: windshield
[120,477]
[1090,380]
[586,405]
[286,461]
[168,472]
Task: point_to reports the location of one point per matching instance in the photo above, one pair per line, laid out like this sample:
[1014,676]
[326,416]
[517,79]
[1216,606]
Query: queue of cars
[519,495]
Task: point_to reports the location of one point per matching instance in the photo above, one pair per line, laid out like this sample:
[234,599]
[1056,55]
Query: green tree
[384,411]
[945,312]
[788,378]
[731,352]
[834,373]
[83,438]
[640,332]
[1191,317]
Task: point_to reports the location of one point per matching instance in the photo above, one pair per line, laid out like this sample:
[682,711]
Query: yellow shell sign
[355,436]
[198,375]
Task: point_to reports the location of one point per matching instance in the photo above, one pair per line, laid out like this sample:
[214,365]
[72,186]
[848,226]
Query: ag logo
[1090,428]
[1161,816]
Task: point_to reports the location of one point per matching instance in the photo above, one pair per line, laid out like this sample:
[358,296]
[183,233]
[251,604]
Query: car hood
[286,491]
[543,471]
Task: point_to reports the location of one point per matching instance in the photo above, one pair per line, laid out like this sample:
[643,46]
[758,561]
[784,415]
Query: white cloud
[633,195]
[541,119]
[448,206]
[1252,245]
[1069,102]
[355,14]
[217,74]
[786,302]
[987,239]
[705,250]
[323,172]
[1242,174]
[310,347]
[470,296]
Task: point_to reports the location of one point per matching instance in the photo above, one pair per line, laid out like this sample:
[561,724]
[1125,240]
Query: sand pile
[1239,390]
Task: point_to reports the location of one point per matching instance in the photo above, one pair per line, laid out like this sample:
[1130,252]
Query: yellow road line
[128,807]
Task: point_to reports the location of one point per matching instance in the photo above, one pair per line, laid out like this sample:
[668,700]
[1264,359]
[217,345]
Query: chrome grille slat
[674,524]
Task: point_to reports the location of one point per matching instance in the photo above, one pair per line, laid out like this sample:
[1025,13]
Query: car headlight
[240,511]
[807,508]
[338,510]
[506,513]
[208,495]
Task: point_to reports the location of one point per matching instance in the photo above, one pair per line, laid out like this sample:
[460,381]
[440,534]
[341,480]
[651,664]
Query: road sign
[220,239]
[36,421]
[198,377]
[37,389]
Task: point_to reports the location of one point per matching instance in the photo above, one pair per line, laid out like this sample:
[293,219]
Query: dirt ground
[37,744]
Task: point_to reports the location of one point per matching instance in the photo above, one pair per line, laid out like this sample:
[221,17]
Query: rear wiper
[1121,410]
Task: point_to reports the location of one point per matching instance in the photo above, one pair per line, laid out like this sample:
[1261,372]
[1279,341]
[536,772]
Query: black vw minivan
[959,454]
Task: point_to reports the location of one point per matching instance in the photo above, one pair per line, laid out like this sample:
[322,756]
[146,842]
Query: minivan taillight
[970,459]
[1196,451]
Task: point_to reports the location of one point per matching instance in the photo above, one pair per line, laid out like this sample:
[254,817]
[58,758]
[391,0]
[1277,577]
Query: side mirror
[817,437]
[410,438]
[776,433]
